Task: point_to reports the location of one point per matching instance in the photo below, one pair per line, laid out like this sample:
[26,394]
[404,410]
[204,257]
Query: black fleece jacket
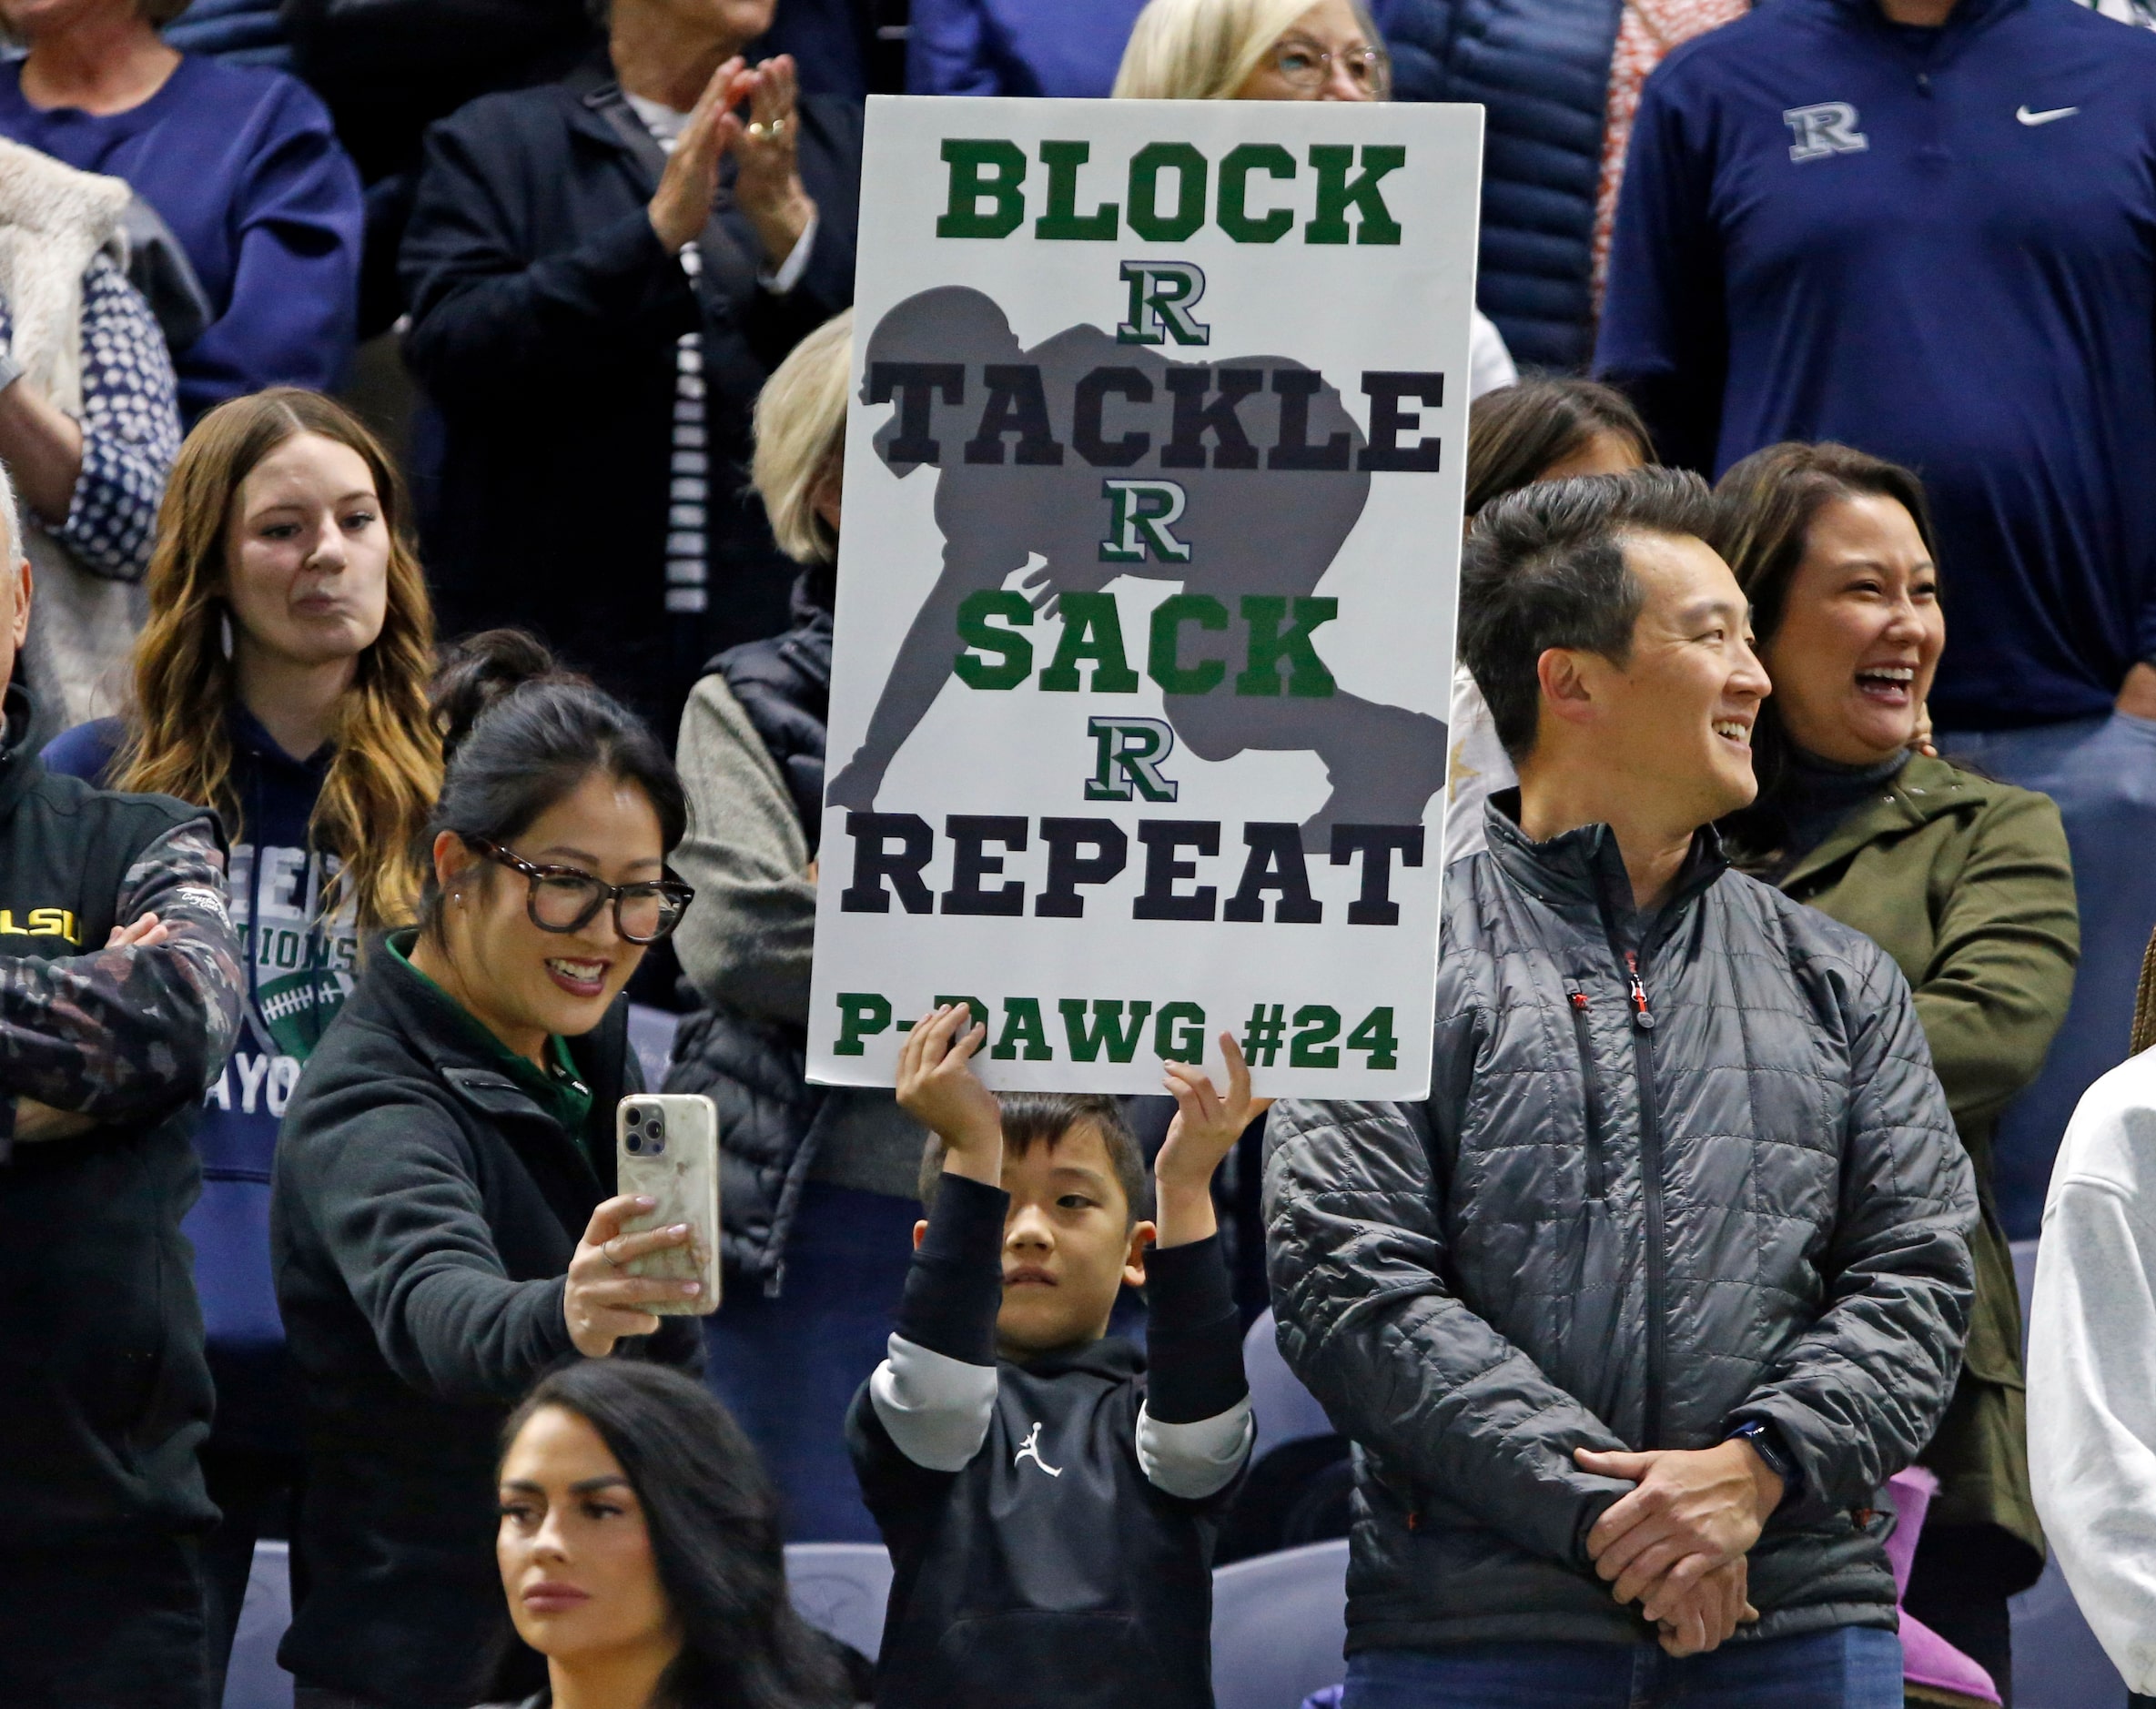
[105,1397]
[423,1214]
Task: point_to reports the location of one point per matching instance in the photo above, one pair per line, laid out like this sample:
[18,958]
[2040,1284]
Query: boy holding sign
[1048,1503]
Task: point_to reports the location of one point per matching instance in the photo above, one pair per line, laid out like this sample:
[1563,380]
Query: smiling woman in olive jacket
[1965,883]
[444,1226]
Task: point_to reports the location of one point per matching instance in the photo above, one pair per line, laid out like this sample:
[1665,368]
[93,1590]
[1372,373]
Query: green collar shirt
[556,1088]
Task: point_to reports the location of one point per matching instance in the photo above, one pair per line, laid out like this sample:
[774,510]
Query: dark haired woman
[443,1221]
[1548,428]
[1965,882]
[639,1552]
[282,680]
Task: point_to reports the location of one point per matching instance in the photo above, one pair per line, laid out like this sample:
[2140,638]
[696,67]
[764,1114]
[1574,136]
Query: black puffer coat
[784,684]
[755,1068]
[1546,1257]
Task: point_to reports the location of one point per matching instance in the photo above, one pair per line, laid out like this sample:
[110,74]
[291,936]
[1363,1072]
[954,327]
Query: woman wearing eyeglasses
[1277,50]
[444,1224]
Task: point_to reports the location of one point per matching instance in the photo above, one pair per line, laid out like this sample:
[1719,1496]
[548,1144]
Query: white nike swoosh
[2026,117]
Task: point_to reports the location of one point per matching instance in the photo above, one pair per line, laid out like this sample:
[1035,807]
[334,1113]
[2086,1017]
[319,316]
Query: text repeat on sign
[1153,487]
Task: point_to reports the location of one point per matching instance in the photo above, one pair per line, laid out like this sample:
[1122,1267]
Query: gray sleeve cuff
[1197,1459]
[935,1408]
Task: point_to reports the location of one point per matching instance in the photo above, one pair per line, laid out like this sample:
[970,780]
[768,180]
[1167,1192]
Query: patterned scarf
[1647,31]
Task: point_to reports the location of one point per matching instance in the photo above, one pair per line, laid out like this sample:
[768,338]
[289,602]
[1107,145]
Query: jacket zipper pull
[1596,1188]
[1641,1015]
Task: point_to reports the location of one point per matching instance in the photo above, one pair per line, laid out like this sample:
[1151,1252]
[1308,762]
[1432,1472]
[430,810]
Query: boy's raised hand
[937,1088]
[1204,1131]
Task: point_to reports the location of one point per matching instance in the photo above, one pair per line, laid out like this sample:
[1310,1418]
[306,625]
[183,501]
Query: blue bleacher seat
[842,1588]
[651,1035]
[1279,1624]
[254,1680]
[1301,1477]
[2058,1664]
[1284,1410]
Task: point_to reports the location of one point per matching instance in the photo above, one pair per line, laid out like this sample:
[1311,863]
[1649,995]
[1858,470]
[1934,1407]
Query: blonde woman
[819,1186]
[1277,50]
[281,679]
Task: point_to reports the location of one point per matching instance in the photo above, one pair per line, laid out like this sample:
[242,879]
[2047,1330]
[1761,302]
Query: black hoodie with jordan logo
[1051,1524]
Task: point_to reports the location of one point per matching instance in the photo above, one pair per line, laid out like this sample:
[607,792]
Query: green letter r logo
[1139,519]
[1162,294]
[1127,758]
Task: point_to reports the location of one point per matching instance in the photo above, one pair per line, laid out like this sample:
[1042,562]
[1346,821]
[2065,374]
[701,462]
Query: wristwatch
[1766,1442]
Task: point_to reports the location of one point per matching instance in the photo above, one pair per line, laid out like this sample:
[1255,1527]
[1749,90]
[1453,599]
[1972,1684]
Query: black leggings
[1958,1586]
[257,1493]
[118,1628]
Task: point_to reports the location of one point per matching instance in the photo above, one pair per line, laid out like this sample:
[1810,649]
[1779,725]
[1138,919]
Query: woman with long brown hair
[282,680]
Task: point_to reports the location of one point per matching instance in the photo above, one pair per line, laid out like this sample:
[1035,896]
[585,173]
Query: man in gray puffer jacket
[1632,1318]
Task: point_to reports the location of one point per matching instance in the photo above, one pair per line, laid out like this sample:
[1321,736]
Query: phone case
[678,1165]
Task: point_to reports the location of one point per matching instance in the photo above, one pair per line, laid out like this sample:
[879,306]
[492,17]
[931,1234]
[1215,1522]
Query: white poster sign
[1153,485]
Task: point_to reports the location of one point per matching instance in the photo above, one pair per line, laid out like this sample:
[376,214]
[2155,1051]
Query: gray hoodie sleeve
[748,939]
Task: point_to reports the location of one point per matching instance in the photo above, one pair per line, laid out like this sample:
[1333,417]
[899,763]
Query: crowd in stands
[421,430]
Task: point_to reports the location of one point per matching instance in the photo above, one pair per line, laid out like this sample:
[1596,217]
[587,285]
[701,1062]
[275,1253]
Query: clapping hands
[768,181]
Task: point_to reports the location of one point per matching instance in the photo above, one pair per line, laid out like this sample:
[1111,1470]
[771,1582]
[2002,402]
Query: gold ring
[759,128]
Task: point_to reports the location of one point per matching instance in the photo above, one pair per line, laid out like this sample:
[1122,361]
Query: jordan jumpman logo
[1030,1449]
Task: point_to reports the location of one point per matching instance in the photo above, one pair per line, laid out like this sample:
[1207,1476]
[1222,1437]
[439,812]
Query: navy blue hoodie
[300,970]
[1938,246]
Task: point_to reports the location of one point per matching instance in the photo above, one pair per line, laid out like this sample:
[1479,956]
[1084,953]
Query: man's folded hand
[1701,1613]
[1709,1502]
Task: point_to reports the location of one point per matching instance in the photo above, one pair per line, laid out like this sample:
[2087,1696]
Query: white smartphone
[667,1147]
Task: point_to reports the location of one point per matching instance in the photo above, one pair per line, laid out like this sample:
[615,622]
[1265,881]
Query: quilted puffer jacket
[1675,1172]
[1539,69]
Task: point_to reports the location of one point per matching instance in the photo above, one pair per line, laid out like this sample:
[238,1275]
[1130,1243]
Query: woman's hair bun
[476,672]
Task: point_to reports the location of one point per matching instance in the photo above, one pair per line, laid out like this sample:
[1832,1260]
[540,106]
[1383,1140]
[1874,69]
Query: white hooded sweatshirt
[2093,1366]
